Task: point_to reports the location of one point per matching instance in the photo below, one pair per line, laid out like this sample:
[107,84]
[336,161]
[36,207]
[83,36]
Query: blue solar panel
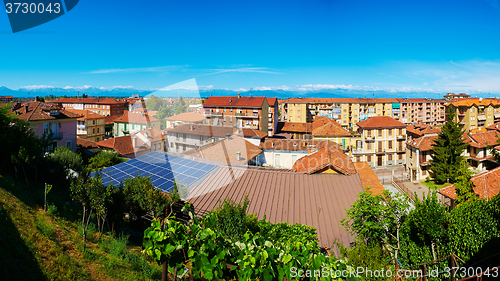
[161,168]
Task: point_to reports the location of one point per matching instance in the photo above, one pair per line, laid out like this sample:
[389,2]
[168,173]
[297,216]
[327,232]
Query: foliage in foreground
[428,232]
[212,255]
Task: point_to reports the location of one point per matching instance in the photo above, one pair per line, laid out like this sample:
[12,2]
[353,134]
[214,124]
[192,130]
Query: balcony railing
[249,115]
[57,136]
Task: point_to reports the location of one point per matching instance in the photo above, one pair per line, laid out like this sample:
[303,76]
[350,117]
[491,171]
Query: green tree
[64,159]
[154,103]
[447,150]
[105,159]
[430,220]
[463,185]
[142,197]
[378,218]
[180,106]
[91,193]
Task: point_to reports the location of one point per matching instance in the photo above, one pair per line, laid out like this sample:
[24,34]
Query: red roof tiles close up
[486,185]
[234,102]
[381,122]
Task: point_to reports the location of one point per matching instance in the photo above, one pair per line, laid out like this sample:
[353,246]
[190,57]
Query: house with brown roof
[474,113]
[136,144]
[318,200]
[101,106]
[283,153]
[381,143]
[190,136]
[325,128]
[298,130]
[129,123]
[477,153]
[329,158]
[5,99]
[90,126]
[486,185]
[239,112]
[184,118]
[234,150]
[49,119]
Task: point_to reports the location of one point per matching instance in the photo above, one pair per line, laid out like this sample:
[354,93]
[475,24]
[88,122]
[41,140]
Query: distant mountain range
[282,94]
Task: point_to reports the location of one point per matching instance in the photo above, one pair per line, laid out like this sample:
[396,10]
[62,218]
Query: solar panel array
[163,169]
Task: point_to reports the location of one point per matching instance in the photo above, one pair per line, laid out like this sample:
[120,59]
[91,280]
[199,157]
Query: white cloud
[77,87]
[37,87]
[241,70]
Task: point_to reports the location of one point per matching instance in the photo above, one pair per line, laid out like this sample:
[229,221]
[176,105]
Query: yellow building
[381,143]
[90,126]
[476,113]
[346,111]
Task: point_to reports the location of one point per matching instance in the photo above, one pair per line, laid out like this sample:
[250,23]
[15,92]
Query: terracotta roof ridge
[28,119]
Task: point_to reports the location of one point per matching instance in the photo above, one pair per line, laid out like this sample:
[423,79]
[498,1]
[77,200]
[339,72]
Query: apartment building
[381,142]
[4,99]
[90,126]
[190,136]
[476,113]
[101,106]
[451,96]
[477,153]
[129,123]
[419,150]
[426,111]
[184,118]
[346,111]
[240,112]
[49,119]
[273,116]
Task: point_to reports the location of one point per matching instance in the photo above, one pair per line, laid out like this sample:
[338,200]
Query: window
[390,144]
[171,145]
[380,133]
[277,160]
[93,131]
[400,156]
[154,147]
[68,144]
[98,130]
[369,145]
[358,158]
[389,157]
[369,158]
[400,132]
[176,146]
[46,128]
[184,136]
[184,147]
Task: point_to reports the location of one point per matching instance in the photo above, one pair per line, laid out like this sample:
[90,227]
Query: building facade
[426,111]
[133,122]
[346,111]
[90,126]
[381,142]
[50,120]
[476,113]
[190,136]
[101,106]
[239,112]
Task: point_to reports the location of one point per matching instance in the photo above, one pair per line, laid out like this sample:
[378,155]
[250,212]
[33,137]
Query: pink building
[47,118]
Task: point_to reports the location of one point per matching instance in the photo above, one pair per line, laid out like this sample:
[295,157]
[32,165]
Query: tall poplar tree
[446,159]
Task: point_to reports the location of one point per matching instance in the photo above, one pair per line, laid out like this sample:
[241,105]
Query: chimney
[238,155]
[239,96]
[28,105]
[228,136]
[134,142]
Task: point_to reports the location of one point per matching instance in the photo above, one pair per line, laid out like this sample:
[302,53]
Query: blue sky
[440,46]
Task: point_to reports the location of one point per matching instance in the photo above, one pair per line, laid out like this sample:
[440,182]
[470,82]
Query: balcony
[247,115]
[57,136]
[213,114]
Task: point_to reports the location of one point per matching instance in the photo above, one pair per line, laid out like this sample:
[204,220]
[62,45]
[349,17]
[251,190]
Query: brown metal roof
[316,200]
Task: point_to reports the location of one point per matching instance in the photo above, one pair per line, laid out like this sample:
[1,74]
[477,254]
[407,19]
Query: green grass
[38,245]
[433,186]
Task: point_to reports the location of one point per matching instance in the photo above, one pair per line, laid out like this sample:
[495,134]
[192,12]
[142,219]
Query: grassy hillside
[38,245]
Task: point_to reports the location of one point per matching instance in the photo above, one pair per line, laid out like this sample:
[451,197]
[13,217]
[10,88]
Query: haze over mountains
[282,94]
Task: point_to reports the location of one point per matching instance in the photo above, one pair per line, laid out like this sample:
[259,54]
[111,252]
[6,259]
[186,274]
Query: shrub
[52,209]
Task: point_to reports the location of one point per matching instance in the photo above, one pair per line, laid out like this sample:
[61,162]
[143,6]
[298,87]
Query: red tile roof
[326,127]
[495,126]
[483,139]
[486,185]
[136,118]
[403,100]
[86,143]
[328,156]
[252,133]
[422,129]
[124,145]
[187,117]
[380,122]
[297,127]
[271,101]
[369,178]
[111,118]
[474,101]
[86,114]
[37,111]
[226,151]
[234,101]
[423,143]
